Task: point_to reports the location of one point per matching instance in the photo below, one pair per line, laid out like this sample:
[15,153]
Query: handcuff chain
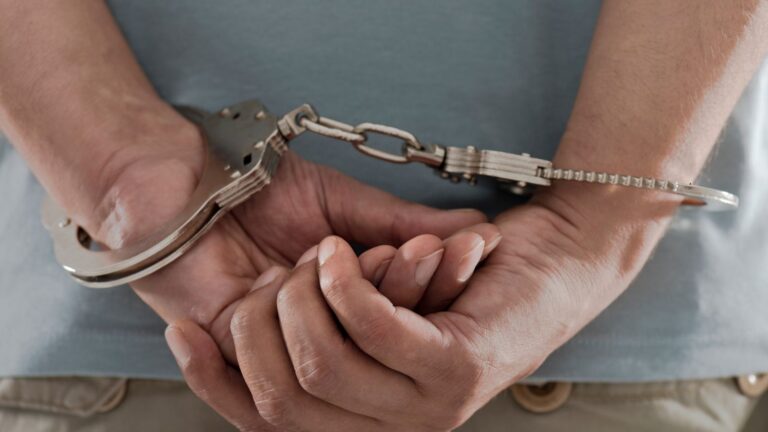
[244,144]
[305,118]
[519,172]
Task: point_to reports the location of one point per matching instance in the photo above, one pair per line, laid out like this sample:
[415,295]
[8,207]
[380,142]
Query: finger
[411,270]
[269,375]
[370,216]
[463,252]
[375,261]
[209,377]
[491,235]
[220,326]
[329,366]
[309,255]
[396,337]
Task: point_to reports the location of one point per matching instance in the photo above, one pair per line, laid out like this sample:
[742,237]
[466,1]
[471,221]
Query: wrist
[138,171]
[154,162]
[614,227]
[611,219]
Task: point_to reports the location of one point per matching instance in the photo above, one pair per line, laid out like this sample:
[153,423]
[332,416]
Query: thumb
[370,216]
[210,378]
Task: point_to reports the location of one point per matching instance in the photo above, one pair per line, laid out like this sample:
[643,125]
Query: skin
[121,161]
[660,81]
[561,259]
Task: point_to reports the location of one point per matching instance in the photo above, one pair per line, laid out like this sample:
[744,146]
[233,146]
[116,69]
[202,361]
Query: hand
[198,356]
[390,368]
[433,282]
[304,203]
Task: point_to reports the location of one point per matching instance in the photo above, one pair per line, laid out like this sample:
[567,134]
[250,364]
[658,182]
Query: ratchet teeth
[460,162]
[256,178]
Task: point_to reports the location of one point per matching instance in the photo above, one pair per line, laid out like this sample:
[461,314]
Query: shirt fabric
[495,74]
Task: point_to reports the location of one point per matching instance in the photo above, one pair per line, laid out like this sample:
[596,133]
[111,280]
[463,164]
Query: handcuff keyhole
[87,241]
[236,116]
[247,159]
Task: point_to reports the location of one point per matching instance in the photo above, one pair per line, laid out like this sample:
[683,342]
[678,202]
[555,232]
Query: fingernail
[469,261]
[491,245]
[426,267]
[267,277]
[178,345]
[378,275]
[326,250]
[307,257]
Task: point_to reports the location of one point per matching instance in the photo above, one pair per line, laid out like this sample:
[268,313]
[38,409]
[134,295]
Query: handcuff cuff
[244,145]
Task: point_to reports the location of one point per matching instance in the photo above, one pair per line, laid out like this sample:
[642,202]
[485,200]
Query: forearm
[76,105]
[661,79]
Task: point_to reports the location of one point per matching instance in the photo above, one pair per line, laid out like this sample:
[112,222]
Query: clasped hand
[414,338]
[338,344]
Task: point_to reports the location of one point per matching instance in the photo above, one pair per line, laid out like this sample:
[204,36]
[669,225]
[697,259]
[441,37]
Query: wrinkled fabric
[117,405]
[494,74]
[79,404]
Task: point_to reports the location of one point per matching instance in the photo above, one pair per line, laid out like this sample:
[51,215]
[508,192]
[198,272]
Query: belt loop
[542,398]
[752,385]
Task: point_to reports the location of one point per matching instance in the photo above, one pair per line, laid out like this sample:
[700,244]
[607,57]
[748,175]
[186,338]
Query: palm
[304,204]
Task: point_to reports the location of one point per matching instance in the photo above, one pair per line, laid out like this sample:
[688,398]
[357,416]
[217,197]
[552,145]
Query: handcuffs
[244,146]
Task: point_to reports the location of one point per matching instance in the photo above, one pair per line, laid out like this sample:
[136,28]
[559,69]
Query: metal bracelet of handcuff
[244,145]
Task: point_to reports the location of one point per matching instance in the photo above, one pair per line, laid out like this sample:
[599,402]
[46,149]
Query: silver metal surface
[470,162]
[305,118]
[710,199]
[520,172]
[245,143]
[244,149]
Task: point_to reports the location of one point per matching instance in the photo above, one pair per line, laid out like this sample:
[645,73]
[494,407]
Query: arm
[77,106]
[660,80]
[658,86]
[121,161]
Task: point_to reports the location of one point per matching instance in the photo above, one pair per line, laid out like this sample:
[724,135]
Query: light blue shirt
[495,74]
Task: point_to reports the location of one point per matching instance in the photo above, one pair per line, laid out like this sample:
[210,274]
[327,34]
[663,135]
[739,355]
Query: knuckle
[277,405]
[286,293]
[375,332]
[336,292]
[240,323]
[251,312]
[275,409]
[317,376]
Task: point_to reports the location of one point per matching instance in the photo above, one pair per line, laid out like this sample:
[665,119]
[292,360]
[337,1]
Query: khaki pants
[113,404]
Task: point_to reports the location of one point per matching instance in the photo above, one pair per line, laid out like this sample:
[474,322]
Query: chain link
[460,163]
[305,118]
